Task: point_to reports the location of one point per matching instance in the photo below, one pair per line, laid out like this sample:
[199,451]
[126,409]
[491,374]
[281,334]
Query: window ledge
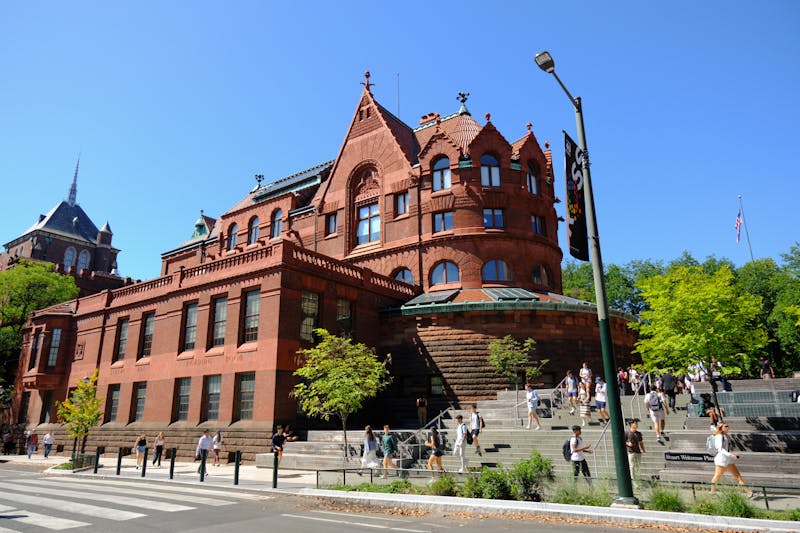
[443,233]
[144,361]
[331,236]
[402,217]
[118,364]
[186,355]
[216,350]
[442,192]
[247,347]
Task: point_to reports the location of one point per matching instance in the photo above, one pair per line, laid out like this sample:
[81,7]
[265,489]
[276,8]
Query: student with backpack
[577,449]
[723,459]
[463,438]
[476,424]
[436,444]
[654,404]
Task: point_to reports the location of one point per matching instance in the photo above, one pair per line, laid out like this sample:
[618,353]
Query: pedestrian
[290,435]
[572,391]
[48,443]
[475,426]
[634,441]
[205,444]
[532,398]
[278,439]
[436,444]
[422,411]
[668,385]
[586,375]
[461,443]
[216,445]
[655,405]
[585,401]
[601,398]
[8,442]
[723,460]
[622,380]
[577,448]
[139,446]
[389,447]
[32,442]
[766,370]
[369,457]
[159,451]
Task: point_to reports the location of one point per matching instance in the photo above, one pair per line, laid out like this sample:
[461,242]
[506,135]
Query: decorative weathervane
[259,179]
[366,82]
[462,97]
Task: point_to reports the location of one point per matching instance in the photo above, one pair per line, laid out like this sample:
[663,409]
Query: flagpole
[746,232]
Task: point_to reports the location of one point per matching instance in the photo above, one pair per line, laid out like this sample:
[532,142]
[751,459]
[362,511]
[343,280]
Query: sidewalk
[302,483]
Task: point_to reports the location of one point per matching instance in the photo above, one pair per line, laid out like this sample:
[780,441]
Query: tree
[694,315]
[81,411]
[337,377]
[577,281]
[511,358]
[26,287]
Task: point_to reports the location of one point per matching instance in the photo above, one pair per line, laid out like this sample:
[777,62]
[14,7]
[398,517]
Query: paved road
[34,502]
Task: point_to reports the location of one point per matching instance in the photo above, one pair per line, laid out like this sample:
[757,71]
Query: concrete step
[763,441]
[741,424]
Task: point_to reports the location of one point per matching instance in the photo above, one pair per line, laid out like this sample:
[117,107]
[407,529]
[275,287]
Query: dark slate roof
[290,183]
[60,220]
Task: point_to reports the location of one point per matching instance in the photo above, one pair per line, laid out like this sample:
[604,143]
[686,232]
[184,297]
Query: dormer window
[533,180]
[440,178]
[233,236]
[490,171]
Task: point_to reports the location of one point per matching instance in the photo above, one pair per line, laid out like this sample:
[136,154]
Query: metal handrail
[552,394]
[405,445]
[605,446]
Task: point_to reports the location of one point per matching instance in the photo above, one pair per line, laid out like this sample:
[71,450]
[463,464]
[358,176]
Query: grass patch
[573,493]
[64,466]
[664,499]
[726,503]
[444,485]
[395,487]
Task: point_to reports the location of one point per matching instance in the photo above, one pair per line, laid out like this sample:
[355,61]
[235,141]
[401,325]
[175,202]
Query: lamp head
[545,62]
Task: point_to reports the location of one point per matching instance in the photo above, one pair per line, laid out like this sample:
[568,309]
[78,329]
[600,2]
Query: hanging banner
[576,205]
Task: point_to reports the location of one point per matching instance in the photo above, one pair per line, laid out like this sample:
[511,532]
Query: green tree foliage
[577,281]
[337,377]
[512,359]
[24,288]
[693,315]
[81,411]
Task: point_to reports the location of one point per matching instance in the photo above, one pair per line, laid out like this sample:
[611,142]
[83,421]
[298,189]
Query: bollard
[203,456]
[96,459]
[119,461]
[172,455]
[237,458]
[144,463]
[275,471]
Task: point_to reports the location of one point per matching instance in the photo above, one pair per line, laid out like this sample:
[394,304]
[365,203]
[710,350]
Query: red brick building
[424,242]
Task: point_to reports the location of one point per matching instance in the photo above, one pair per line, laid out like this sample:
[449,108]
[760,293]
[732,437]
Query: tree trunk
[83,443]
[344,431]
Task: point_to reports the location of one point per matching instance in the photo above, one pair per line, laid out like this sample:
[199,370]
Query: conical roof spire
[73,190]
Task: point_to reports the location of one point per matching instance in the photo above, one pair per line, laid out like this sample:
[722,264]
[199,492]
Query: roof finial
[462,97]
[73,190]
[259,179]
[488,117]
[366,82]
[529,126]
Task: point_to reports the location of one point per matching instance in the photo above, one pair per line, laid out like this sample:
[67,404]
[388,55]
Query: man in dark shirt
[635,444]
[668,384]
[277,442]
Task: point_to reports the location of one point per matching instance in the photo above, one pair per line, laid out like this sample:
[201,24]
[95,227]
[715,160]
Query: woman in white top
[159,451]
[369,459]
[723,460]
[216,445]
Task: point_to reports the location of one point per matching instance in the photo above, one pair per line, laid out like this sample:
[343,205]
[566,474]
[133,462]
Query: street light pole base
[627,503]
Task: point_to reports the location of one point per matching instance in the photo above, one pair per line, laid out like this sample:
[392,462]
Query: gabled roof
[294,182]
[402,133]
[67,220]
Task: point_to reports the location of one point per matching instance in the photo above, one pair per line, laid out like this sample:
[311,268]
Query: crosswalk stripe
[133,489]
[41,520]
[150,505]
[70,507]
[5,530]
[160,486]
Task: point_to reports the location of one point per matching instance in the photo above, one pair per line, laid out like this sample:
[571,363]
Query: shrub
[579,494]
[471,487]
[704,506]
[444,485]
[528,478]
[662,499]
[494,485]
[734,503]
[402,486]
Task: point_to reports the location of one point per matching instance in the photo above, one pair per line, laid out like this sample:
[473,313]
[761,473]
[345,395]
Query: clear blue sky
[174,106]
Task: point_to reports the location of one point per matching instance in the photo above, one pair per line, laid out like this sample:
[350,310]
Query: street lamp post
[624,487]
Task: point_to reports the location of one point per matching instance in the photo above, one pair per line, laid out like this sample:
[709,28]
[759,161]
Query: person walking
[216,445]
[622,381]
[389,447]
[572,391]
[369,457]
[436,444]
[422,411]
[655,406]
[159,451]
[461,443]
[48,443]
[140,445]
[766,371]
[578,449]
[205,443]
[634,442]
[586,376]
[475,426]
[532,398]
[601,398]
[585,401]
[8,442]
[723,460]
[278,440]
[668,385]
[32,442]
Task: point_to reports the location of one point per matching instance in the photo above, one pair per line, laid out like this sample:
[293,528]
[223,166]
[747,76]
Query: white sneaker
[461,471]
[538,428]
[572,411]
[528,427]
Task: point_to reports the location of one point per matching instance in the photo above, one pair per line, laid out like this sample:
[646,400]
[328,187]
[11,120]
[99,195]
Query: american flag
[738,225]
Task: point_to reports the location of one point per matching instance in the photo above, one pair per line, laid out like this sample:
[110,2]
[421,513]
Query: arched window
[404,275]
[490,171]
[441,174]
[444,272]
[83,260]
[369,224]
[69,258]
[540,275]
[233,236]
[496,270]
[252,231]
[277,224]
[533,180]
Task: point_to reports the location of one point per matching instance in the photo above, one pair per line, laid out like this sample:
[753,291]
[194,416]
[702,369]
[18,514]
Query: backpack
[467,434]
[711,446]
[440,446]
[483,424]
[566,450]
[654,405]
